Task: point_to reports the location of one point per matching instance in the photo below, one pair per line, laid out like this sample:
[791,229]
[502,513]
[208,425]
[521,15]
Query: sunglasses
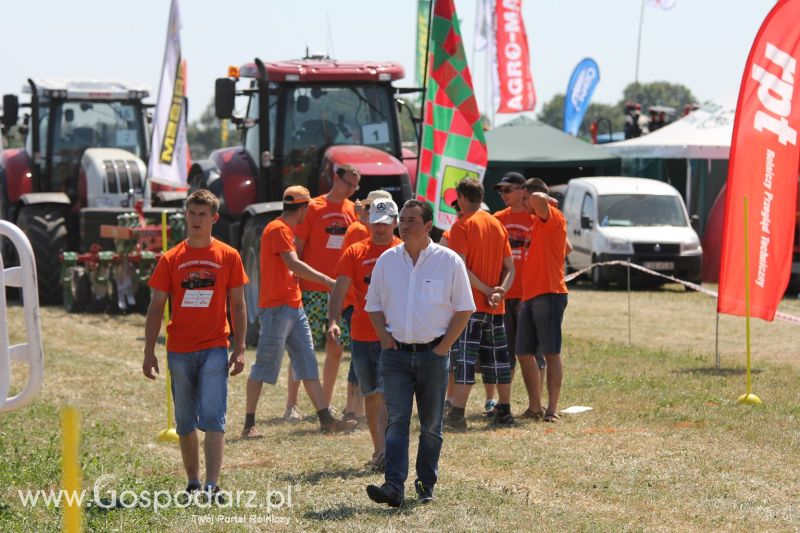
[506,190]
[353,185]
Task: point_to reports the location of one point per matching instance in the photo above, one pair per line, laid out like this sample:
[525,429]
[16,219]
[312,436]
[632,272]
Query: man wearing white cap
[354,272]
[356,232]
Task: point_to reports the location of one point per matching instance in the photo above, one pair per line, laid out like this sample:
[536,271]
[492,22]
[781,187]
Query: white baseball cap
[374,195]
[382,211]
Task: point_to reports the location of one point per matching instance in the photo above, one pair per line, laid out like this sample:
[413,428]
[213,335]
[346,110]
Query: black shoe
[338,426]
[186,496]
[452,423]
[215,495]
[505,420]
[448,406]
[384,494]
[424,494]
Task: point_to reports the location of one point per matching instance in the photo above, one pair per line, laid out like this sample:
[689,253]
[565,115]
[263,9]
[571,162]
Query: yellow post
[169,434]
[748,398]
[70,468]
[223,131]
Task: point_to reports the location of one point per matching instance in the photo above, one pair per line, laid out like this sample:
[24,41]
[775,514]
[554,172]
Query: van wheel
[598,281]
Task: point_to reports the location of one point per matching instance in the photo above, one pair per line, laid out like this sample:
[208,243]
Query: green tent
[538,150]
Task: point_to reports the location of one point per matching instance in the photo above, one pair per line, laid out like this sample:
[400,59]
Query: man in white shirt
[419,301]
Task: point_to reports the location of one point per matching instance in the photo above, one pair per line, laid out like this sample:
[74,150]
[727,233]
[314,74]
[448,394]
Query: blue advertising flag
[579,93]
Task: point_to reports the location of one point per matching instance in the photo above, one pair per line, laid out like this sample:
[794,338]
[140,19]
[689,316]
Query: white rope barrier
[785,317]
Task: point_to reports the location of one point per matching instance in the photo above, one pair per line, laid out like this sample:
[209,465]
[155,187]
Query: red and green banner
[453,144]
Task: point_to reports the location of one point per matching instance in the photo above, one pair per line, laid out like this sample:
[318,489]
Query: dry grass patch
[665,448]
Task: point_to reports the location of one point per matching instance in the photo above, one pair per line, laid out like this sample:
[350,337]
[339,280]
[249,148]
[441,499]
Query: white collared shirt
[419,300]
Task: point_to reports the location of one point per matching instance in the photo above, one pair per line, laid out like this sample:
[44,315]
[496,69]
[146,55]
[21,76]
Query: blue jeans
[199,389]
[347,316]
[407,375]
[366,360]
[284,328]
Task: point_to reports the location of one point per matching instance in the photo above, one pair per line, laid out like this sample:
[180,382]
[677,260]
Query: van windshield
[640,210]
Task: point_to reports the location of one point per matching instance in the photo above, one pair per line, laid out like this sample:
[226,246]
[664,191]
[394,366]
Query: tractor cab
[302,118]
[81,171]
[66,119]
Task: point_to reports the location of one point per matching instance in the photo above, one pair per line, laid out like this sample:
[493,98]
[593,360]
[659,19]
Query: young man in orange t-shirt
[356,232]
[199,274]
[319,239]
[482,241]
[544,299]
[518,221]
[354,272]
[283,320]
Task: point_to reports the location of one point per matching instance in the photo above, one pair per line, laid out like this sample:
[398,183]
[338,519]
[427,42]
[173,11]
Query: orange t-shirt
[483,241]
[278,284]
[544,264]
[356,232]
[357,263]
[518,225]
[198,281]
[323,232]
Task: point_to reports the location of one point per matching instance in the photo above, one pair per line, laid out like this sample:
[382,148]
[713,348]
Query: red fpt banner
[513,59]
[764,167]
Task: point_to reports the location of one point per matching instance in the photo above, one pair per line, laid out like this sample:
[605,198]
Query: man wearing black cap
[518,221]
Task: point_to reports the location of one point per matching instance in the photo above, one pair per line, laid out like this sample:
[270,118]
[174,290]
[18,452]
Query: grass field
[666,448]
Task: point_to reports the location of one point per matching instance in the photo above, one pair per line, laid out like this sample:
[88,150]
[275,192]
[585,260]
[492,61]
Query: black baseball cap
[510,178]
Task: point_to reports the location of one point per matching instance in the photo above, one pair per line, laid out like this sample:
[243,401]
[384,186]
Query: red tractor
[303,119]
[83,164]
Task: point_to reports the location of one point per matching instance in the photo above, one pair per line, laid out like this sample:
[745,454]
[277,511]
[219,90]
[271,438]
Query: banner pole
[424,88]
[639,43]
[747,398]
[629,301]
[716,342]
[169,434]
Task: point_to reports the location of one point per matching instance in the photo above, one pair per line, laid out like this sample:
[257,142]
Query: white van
[645,220]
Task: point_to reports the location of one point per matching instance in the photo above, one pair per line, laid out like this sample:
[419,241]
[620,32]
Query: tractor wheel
[46,228]
[251,248]
[598,280]
[77,290]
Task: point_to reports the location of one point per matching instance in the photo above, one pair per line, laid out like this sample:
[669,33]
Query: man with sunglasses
[319,240]
[517,220]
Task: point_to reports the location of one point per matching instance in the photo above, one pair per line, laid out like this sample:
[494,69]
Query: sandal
[551,417]
[533,415]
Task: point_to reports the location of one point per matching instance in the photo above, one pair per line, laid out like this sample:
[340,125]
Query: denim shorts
[366,360]
[539,324]
[199,389]
[347,318]
[284,328]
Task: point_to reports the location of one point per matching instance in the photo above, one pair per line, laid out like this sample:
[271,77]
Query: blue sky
[700,43]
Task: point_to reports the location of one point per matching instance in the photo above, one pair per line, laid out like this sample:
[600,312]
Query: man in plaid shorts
[482,241]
